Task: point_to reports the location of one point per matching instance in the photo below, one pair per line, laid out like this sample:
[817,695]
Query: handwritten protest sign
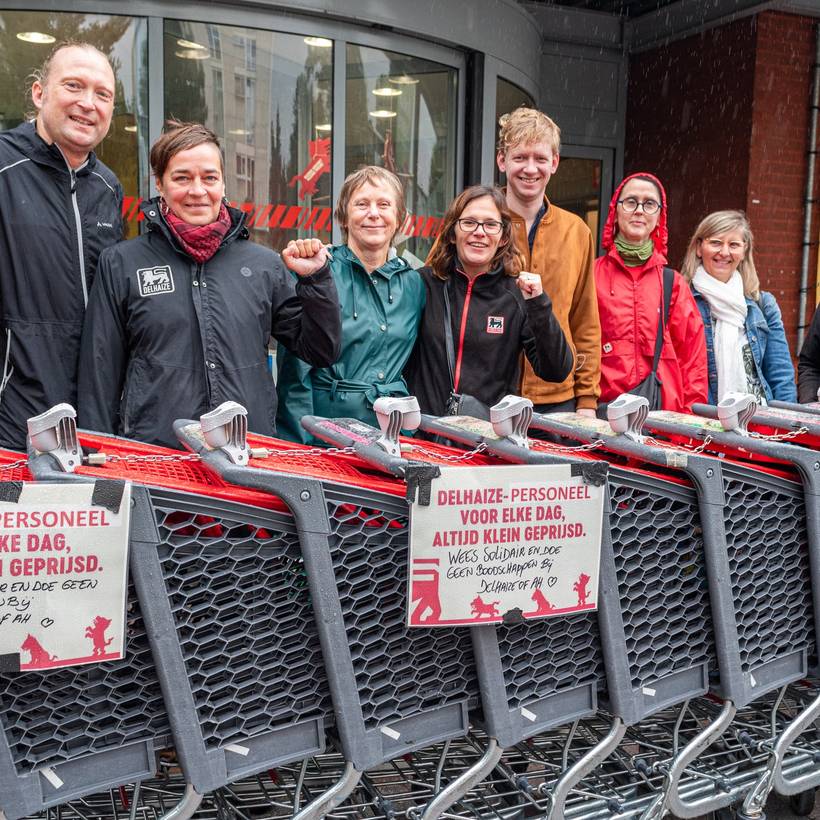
[505,540]
[63,566]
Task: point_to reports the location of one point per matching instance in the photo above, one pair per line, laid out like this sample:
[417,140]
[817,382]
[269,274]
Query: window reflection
[400,114]
[123,40]
[268,97]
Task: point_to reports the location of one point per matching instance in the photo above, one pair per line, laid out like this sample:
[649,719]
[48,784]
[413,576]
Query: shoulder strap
[663,317]
[448,334]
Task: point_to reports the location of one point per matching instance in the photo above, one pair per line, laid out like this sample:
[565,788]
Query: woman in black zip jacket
[496,311]
[179,318]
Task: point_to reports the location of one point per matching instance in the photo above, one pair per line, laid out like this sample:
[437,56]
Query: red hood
[660,235]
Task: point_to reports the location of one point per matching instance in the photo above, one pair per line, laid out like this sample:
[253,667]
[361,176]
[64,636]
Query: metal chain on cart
[264,452]
[570,448]
[98,459]
[780,436]
[14,465]
[415,448]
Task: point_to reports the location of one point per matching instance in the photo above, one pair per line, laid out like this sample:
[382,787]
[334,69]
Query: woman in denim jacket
[746,345]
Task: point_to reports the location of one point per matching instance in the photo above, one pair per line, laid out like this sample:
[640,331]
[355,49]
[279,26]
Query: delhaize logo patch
[495,324]
[155,280]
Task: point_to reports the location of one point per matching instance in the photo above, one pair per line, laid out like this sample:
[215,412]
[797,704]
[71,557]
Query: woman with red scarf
[629,281]
[178,320]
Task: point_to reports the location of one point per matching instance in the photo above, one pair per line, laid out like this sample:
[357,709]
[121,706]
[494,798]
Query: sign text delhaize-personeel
[519,540]
[63,563]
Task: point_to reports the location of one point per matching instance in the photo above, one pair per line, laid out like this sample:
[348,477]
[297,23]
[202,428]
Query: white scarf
[728,306]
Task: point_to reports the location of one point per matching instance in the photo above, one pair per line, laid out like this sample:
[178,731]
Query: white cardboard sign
[63,563]
[498,539]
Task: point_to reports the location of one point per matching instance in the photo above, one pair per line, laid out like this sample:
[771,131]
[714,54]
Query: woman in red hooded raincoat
[629,281]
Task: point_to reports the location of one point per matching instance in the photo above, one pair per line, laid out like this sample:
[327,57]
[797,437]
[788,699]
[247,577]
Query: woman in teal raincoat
[381,300]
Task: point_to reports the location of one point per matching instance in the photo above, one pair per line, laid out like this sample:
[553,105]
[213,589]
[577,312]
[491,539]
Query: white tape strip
[391,733]
[531,716]
[649,691]
[49,774]
[237,749]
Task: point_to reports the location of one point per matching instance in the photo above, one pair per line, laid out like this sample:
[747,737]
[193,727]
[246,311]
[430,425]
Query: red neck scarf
[200,242]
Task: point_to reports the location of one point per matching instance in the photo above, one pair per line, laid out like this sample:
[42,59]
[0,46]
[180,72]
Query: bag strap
[448,336]
[663,318]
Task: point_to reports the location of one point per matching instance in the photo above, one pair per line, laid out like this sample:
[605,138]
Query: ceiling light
[319,42]
[325,126]
[192,54]
[382,114]
[238,132]
[131,128]
[191,44]
[387,92]
[402,79]
[36,37]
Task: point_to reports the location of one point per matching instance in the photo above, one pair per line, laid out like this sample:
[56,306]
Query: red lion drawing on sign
[543,606]
[424,589]
[580,586]
[318,164]
[479,609]
[97,634]
[39,656]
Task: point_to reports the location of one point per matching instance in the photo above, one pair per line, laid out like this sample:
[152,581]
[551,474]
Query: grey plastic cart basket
[394,690]
[654,613]
[755,654]
[231,630]
[801,531]
[93,726]
[537,674]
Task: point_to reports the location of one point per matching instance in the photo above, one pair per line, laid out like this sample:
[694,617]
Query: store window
[576,187]
[26,39]
[268,97]
[401,114]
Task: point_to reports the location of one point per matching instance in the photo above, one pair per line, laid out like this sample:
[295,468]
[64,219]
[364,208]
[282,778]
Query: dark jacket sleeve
[103,352]
[808,363]
[305,315]
[544,342]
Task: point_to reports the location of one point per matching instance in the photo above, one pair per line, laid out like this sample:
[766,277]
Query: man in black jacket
[59,208]
[808,364]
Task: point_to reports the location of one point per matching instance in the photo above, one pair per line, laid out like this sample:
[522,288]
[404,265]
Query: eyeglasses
[717,245]
[490,226]
[630,205]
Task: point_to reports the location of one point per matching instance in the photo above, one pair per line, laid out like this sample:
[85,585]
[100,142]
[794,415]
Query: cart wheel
[802,804]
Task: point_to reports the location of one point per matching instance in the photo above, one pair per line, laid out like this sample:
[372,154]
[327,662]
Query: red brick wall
[778,161]
[689,121]
[722,118]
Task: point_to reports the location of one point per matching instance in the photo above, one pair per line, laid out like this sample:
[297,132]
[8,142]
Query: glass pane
[268,97]
[27,37]
[576,187]
[508,97]
[401,114]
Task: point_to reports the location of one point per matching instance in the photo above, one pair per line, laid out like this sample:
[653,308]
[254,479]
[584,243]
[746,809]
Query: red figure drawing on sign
[39,656]
[424,589]
[318,164]
[580,586]
[97,634]
[543,606]
[479,609]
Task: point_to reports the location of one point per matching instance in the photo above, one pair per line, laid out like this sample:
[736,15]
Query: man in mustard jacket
[558,246]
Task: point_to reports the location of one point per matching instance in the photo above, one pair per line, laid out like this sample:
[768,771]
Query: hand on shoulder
[305,256]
